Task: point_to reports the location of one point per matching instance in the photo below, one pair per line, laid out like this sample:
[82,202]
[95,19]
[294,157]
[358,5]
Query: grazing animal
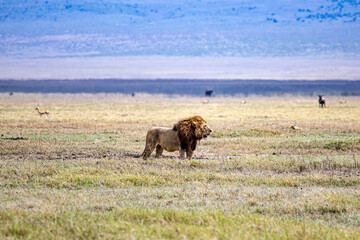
[321,101]
[342,101]
[42,112]
[296,128]
[11,93]
[205,101]
[182,137]
[209,92]
[243,102]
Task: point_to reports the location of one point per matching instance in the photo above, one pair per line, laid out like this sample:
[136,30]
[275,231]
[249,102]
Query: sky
[261,39]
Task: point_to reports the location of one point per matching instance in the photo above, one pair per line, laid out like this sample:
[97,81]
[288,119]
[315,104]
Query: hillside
[179,28]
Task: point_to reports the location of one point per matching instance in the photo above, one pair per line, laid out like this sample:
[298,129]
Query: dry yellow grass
[61,176]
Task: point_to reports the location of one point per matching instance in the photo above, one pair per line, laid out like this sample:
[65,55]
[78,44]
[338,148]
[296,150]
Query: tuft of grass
[343,144]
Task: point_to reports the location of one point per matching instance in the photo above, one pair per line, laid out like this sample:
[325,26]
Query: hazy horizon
[261,39]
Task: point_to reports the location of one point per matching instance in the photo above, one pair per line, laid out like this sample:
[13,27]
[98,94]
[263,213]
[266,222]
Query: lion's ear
[195,124]
[175,127]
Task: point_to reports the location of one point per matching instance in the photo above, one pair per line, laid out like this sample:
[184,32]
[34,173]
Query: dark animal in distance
[209,92]
[11,93]
[321,101]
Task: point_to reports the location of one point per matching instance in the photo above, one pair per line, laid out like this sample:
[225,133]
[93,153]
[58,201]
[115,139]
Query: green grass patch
[334,143]
[161,224]
[93,177]
[352,143]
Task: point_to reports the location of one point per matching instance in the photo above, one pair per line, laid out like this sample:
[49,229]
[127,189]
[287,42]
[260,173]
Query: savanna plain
[75,174]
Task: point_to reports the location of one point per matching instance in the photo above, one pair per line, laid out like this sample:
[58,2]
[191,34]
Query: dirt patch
[13,138]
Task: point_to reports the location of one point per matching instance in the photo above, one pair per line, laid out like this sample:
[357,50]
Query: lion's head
[190,130]
[203,131]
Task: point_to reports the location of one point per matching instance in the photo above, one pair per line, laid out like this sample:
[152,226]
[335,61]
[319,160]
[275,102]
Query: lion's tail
[141,155]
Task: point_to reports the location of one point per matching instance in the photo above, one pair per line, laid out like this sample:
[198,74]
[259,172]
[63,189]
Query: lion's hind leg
[149,148]
[159,151]
[147,151]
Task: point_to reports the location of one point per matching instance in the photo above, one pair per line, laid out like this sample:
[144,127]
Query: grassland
[75,174]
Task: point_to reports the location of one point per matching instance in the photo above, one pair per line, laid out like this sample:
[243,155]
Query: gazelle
[42,112]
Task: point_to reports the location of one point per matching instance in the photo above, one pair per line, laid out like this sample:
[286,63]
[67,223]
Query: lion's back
[165,137]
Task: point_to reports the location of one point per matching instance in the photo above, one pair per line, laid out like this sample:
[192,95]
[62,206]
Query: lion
[182,137]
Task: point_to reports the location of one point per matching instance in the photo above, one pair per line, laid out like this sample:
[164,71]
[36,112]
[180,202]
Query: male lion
[182,137]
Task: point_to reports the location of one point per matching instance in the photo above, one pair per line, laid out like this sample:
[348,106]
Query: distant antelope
[342,101]
[321,101]
[205,101]
[296,128]
[42,112]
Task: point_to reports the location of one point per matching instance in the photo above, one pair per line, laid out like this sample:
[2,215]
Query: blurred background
[158,39]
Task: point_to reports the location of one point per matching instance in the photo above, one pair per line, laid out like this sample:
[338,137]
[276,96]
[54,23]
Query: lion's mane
[189,131]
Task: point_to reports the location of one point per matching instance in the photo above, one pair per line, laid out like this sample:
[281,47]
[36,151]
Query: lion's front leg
[189,154]
[182,153]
